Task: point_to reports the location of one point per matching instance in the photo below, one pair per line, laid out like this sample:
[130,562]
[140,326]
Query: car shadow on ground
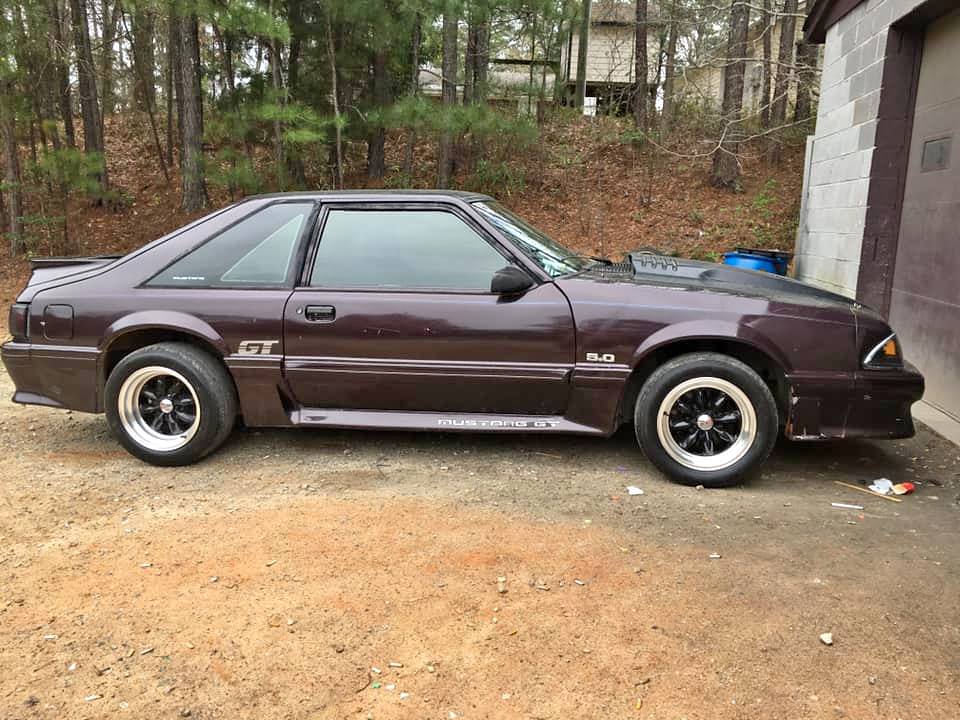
[852,460]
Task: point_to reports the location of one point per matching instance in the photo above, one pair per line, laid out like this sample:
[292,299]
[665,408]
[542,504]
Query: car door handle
[320,313]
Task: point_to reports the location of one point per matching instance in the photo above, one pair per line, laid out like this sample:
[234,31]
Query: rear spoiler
[52,262]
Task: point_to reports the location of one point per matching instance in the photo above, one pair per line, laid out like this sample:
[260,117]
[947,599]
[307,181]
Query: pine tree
[449,90]
[86,76]
[726,162]
[194,190]
[640,65]
[781,89]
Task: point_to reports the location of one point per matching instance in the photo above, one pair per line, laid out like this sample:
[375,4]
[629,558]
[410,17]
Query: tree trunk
[765,68]
[11,162]
[726,163]
[148,107]
[296,173]
[470,55]
[278,93]
[781,89]
[669,103]
[549,48]
[476,57]
[533,57]
[414,91]
[58,52]
[194,192]
[640,66]
[31,75]
[335,94]
[224,62]
[582,53]
[806,80]
[481,61]
[297,32]
[376,140]
[89,105]
[110,17]
[172,79]
[448,90]
[144,58]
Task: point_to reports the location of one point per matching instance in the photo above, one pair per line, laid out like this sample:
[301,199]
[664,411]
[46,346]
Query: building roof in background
[621,12]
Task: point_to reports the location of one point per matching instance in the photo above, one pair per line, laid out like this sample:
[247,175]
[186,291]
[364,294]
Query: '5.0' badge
[256,347]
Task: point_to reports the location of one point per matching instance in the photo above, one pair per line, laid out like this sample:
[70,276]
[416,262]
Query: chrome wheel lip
[724,459]
[132,420]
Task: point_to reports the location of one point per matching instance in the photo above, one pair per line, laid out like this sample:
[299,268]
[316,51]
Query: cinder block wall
[839,157]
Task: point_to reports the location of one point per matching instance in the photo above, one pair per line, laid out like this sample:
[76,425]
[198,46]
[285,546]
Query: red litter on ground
[904,488]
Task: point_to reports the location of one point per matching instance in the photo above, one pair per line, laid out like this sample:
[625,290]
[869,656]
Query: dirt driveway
[355,575]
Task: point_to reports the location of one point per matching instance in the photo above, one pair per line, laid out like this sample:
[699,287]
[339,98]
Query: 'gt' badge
[256,347]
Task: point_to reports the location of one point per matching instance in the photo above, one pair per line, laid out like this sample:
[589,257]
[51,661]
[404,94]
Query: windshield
[553,257]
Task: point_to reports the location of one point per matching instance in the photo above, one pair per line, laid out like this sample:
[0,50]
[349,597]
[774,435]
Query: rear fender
[164,320]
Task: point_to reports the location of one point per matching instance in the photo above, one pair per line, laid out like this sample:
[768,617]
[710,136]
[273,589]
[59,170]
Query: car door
[395,312]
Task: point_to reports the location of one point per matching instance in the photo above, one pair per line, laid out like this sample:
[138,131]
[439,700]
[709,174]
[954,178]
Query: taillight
[18,321]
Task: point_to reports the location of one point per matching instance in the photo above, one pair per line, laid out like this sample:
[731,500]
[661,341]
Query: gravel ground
[328,574]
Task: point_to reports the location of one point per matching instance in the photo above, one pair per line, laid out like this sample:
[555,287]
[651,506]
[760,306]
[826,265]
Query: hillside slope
[581,183]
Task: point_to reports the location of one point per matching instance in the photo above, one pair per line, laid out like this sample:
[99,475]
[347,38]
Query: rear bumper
[52,375]
[870,404]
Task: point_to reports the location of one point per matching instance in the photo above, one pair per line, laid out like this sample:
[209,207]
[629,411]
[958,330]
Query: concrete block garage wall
[841,152]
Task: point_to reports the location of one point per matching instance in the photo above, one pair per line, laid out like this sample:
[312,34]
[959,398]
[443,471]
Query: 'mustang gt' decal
[495,424]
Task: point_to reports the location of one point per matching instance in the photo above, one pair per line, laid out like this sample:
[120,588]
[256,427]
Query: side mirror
[510,280]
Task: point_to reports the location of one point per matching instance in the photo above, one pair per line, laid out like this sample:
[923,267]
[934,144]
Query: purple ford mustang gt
[444,311]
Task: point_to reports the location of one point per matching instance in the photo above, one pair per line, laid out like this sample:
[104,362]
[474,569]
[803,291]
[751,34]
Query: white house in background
[610,45]
[880,214]
[703,81]
[508,82]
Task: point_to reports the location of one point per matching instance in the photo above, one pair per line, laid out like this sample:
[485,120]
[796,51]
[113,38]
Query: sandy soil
[270,581]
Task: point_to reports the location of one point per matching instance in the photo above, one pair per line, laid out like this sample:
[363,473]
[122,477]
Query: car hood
[694,275]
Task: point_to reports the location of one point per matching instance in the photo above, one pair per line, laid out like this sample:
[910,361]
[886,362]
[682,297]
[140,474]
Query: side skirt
[439,422]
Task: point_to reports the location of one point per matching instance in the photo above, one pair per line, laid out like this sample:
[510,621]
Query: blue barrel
[771,261]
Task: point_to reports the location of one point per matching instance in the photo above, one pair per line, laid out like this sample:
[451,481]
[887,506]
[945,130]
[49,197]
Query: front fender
[164,320]
[710,330]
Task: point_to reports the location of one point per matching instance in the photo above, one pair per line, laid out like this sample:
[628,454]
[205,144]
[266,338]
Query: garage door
[925,302]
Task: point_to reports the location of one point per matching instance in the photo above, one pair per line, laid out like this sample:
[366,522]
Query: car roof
[375,195]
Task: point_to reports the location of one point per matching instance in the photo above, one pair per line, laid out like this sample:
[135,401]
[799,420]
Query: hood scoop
[647,261]
[712,276]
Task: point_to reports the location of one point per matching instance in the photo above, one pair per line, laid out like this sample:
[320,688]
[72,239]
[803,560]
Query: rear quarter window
[256,252]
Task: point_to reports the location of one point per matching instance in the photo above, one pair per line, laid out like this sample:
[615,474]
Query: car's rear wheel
[706,419]
[170,403]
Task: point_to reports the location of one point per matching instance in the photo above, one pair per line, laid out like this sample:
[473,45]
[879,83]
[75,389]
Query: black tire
[662,415]
[209,389]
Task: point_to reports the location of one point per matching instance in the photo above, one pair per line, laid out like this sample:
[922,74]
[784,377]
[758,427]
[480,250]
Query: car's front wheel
[170,403]
[706,419]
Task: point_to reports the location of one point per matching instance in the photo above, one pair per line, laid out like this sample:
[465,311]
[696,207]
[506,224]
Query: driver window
[403,249]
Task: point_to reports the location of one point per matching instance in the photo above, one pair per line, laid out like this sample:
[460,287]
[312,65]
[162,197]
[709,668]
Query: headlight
[885,355]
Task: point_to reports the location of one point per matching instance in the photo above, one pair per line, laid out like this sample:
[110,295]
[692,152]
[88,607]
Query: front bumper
[868,404]
[53,375]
